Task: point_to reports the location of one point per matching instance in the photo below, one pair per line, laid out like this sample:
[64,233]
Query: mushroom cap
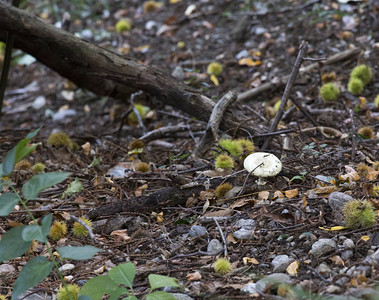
[262,164]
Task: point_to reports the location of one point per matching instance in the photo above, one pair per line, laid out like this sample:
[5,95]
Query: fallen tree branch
[107,73]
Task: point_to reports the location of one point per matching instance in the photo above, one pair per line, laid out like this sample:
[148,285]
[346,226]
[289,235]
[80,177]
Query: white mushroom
[262,164]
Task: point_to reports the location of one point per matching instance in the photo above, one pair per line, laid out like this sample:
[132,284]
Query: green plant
[299,177]
[376,101]
[38,168]
[355,86]
[362,72]
[119,281]
[16,241]
[62,139]
[224,161]
[232,147]
[329,92]
[359,214]
[142,111]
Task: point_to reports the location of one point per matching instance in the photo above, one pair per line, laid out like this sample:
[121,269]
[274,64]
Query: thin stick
[287,91]
[89,229]
[353,134]
[223,238]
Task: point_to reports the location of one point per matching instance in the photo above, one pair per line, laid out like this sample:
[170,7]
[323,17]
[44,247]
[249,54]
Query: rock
[179,296]
[324,269]
[333,289]
[348,244]
[39,102]
[244,234]
[272,280]
[197,230]
[233,192]
[66,269]
[281,262]
[337,200]
[245,223]
[214,247]
[373,258]
[6,269]
[323,246]
[250,288]
[347,254]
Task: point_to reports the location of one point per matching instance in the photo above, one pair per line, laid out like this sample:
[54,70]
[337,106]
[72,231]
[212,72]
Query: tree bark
[107,73]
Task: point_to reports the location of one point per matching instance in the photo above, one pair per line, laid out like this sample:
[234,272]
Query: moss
[224,161]
[214,68]
[355,86]
[142,167]
[366,132]
[73,291]
[150,6]
[78,229]
[123,25]
[222,189]
[329,92]
[22,165]
[58,230]
[62,139]
[222,266]
[38,168]
[233,147]
[359,214]
[362,72]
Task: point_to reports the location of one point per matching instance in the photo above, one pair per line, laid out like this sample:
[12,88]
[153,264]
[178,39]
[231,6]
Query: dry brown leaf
[293,268]
[240,202]
[372,174]
[193,276]
[278,194]
[291,193]
[219,213]
[305,202]
[191,201]
[138,192]
[263,195]
[120,235]
[337,260]
[230,238]
[250,260]
[351,174]
[324,190]
[86,148]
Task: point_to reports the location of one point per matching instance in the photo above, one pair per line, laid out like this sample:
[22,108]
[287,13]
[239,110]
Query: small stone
[323,246]
[39,102]
[281,262]
[243,234]
[214,247]
[337,200]
[348,244]
[178,73]
[324,269]
[347,254]
[250,288]
[197,230]
[6,269]
[66,269]
[245,223]
[179,296]
[272,280]
[332,289]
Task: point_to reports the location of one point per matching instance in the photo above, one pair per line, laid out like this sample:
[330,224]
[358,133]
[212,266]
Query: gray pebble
[281,262]
[243,234]
[337,200]
[197,230]
[6,269]
[323,246]
[245,223]
[214,247]
[273,279]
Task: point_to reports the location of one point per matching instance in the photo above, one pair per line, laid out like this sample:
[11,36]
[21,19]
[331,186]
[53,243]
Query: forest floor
[286,227]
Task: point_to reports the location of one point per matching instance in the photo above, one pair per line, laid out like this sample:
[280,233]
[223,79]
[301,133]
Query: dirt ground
[256,42]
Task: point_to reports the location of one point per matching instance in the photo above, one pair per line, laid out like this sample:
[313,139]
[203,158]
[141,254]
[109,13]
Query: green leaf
[36,270]
[78,253]
[160,295]
[12,245]
[74,187]
[37,232]
[120,291]
[157,281]
[123,274]
[40,182]
[84,297]
[17,153]
[7,203]
[97,287]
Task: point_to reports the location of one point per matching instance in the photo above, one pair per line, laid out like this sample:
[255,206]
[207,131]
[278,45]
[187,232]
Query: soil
[291,212]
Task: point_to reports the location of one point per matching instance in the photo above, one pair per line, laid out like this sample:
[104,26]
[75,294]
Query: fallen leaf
[351,174]
[291,193]
[324,190]
[120,235]
[240,202]
[337,260]
[160,217]
[334,228]
[293,268]
[249,62]
[230,238]
[219,213]
[364,238]
[263,195]
[250,260]
[193,276]
[86,148]
[305,202]
[214,80]
[278,194]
